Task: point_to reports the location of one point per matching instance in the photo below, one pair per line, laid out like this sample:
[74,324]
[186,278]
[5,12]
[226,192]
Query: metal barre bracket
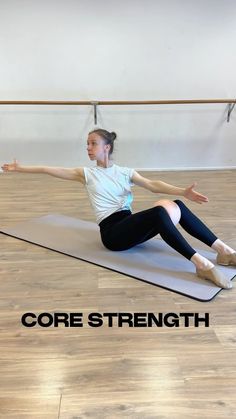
[230,109]
[95,111]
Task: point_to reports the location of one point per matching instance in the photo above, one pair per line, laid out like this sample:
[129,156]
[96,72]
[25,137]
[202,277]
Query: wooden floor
[98,373]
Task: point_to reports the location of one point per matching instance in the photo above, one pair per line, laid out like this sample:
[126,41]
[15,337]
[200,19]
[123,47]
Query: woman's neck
[104,164]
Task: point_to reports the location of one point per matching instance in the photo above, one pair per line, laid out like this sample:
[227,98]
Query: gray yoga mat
[153,261]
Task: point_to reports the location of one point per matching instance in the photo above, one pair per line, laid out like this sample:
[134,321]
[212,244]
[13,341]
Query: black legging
[123,230]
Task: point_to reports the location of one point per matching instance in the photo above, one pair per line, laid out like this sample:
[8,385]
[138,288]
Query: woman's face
[96,147]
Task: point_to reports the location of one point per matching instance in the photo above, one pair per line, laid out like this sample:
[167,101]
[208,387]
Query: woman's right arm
[60,172]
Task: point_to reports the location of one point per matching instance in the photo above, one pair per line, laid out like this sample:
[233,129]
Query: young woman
[109,189]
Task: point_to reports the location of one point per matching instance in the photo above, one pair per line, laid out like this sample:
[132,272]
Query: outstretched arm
[60,172]
[157,186]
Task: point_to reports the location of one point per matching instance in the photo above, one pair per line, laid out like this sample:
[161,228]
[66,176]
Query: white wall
[119,50]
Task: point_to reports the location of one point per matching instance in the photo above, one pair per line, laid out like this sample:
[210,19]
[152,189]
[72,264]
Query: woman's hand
[195,196]
[11,167]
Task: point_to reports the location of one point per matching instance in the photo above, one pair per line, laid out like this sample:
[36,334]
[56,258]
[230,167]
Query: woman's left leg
[176,216]
[194,226]
[181,214]
[172,208]
[137,228]
[178,212]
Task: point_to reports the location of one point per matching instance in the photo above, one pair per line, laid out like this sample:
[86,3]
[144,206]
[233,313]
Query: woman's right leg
[142,226]
[137,228]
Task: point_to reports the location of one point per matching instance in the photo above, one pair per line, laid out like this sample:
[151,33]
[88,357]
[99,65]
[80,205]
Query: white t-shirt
[109,189]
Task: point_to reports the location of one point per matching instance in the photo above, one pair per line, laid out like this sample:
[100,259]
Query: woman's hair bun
[113,135]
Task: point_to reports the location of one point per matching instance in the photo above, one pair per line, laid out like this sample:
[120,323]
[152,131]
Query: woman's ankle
[222,248]
[201,262]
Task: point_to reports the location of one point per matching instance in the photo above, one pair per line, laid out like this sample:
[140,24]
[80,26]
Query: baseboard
[183,169]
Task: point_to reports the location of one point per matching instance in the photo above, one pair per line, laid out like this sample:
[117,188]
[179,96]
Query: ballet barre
[95,104]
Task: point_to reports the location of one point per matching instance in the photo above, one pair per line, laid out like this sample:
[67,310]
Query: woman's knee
[179,203]
[172,209]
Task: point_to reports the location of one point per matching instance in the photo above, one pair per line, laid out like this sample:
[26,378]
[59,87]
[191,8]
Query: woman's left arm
[157,186]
